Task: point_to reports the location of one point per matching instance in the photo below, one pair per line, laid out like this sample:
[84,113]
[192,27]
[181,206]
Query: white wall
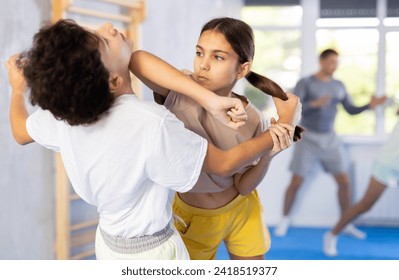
[26,192]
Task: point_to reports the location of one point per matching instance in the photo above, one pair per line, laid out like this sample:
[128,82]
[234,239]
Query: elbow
[21,142]
[21,139]
[241,185]
[136,54]
[243,191]
[219,162]
[134,60]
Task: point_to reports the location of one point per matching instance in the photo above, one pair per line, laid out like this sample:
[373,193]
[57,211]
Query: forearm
[227,163]
[246,182]
[162,77]
[18,116]
[353,110]
[306,106]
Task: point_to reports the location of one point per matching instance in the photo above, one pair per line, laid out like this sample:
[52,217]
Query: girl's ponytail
[271,88]
[266,85]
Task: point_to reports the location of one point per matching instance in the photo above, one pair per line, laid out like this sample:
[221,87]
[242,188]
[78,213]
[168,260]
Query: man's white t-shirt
[127,163]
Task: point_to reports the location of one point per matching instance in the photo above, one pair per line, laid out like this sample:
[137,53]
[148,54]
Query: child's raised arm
[161,77]
[18,111]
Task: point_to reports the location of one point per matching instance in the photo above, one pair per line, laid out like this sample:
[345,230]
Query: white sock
[330,244]
[351,230]
[282,227]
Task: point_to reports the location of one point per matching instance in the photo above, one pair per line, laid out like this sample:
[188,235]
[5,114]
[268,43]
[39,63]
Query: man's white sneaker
[351,230]
[282,227]
[330,244]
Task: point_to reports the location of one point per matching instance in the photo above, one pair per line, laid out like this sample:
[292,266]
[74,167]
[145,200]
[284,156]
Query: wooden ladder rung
[84,254]
[83,225]
[126,3]
[83,239]
[87,12]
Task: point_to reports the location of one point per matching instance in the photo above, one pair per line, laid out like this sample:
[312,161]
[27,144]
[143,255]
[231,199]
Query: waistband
[135,245]
[213,212]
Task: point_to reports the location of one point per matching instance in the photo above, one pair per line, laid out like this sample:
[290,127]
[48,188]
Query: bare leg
[291,193]
[289,199]
[344,197]
[344,190]
[234,257]
[374,191]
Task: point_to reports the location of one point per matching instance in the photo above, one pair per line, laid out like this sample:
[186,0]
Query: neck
[323,76]
[125,87]
[226,91]
[123,90]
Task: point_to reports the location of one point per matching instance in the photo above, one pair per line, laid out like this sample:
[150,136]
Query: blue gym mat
[300,243]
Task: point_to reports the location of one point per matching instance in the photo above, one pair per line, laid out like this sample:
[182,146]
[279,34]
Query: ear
[243,70]
[115,82]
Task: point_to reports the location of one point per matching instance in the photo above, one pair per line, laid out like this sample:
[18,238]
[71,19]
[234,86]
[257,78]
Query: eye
[218,57]
[198,53]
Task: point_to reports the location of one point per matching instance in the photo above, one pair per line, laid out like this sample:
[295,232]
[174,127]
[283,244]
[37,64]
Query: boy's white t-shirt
[127,163]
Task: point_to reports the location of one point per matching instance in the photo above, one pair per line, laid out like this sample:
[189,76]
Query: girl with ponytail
[226,208]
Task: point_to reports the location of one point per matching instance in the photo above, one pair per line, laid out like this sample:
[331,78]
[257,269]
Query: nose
[204,65]
[108,28]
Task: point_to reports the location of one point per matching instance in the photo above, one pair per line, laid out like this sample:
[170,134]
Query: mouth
[202,78]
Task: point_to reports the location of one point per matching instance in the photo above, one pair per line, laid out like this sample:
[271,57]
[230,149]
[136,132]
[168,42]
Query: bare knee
[296,183]
[342,180]
[365,205]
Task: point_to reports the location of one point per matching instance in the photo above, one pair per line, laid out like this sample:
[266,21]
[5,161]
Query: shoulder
[304,82]
[339,85]
[306,79]
[131,107]
[338,82]
[43,118]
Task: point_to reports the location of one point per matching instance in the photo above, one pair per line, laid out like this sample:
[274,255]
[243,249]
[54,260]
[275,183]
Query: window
[364,32]
[277,47]
[392,78]
[347,8]
[359,33]
[357,70]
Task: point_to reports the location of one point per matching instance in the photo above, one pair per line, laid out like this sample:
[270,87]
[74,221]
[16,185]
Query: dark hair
[241,38]
[66,75]
[326,53]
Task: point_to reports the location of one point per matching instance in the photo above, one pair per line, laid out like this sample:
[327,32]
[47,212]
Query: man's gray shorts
[323,148]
